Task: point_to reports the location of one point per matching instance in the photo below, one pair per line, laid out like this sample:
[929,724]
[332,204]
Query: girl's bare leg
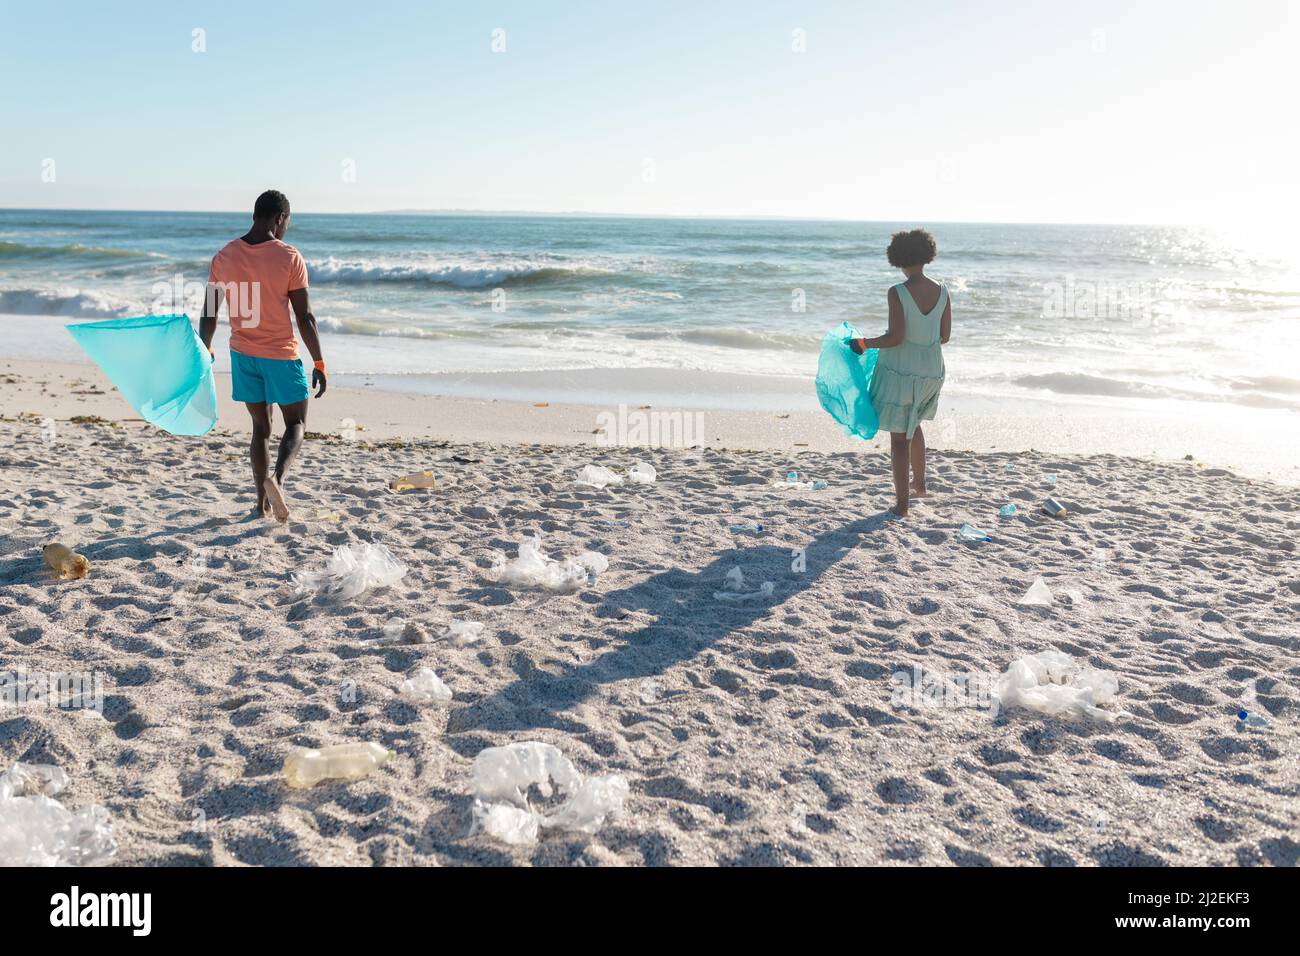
[918,464]
[898,453]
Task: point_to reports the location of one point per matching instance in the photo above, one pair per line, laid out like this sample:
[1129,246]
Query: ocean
[1109,316]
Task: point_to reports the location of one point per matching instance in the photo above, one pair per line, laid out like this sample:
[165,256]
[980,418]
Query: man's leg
[295,427]
[259,451]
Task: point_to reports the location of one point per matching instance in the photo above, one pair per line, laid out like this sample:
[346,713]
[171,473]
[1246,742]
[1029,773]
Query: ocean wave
[486,275]
[1081,383]
[20,250]
[69,303]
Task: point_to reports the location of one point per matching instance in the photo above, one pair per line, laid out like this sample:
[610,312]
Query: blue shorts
[267,381]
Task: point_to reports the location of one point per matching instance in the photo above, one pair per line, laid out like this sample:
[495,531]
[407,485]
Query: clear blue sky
[1017,111]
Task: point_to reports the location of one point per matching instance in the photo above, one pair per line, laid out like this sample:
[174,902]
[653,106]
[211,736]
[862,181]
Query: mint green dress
[908,378]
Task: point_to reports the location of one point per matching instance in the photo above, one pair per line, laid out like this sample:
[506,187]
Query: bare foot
[276,499]
[898,512]
[918,491]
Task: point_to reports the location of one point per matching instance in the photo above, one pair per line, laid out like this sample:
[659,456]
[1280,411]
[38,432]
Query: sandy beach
[763,731]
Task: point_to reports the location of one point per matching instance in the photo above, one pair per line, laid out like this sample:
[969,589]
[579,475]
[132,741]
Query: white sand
[760,732]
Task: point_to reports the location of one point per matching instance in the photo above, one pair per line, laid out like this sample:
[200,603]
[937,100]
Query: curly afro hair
[914,247]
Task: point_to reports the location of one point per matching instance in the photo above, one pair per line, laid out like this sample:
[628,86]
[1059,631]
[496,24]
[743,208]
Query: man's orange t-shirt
[256,281]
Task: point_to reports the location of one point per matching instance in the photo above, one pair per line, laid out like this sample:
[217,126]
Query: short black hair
[270,205]
[914,247]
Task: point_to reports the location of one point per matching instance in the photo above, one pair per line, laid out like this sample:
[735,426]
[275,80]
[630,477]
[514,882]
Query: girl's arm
[945,323]
[891,339]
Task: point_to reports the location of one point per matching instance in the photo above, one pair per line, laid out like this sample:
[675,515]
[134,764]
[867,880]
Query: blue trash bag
[160,367]
[844,382]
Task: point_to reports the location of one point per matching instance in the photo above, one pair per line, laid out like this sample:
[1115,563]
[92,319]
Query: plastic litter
[749,527]
[37,830]
[969,532]
[792,482]
[426,687]
[464,632]
[844,382]
[1038,595]
[1247,719]
[1006,511]
[642,473]
[159,366]
[532,569]
[1051,682]
[1051,479]
[597,476]
[503,776]
[735,588]
[305,767]
[406,632]
[64,562]
[418,480]
[351,571]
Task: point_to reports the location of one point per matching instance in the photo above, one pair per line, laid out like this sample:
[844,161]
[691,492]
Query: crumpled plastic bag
[426,687]
[37,830]
[159,365]
[502,777]
[463,632]
[735,588]
[597,476]
[642,473]
[844,382]
[1052,682]
[350,571]
[532,569]
[1038,595]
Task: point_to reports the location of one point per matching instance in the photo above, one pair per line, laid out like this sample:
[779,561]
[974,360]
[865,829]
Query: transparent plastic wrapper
[642,473]
[305,767]
[503,776]
[844,382]
[1038,595]
[426,687]
[794,483]
[532,569]
[159,366]
[1054,683]
[597,476]
[351,571]
[735,588]
[464,632]
[37,830]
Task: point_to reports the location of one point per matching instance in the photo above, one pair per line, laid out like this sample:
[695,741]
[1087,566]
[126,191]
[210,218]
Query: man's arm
[208,323]
[307,329]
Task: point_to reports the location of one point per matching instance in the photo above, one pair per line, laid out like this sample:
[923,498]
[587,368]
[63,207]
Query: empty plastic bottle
[749,527]
[306,768]
[819,484]
[971,533]
[1247,719]
[1006,511]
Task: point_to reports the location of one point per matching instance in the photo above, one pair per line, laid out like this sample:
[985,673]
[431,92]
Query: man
[260,277]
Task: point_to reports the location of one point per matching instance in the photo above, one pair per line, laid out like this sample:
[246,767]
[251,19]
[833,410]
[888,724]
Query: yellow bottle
[65,563]
[306,768]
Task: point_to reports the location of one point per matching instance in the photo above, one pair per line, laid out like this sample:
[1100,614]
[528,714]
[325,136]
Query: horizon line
[581,214]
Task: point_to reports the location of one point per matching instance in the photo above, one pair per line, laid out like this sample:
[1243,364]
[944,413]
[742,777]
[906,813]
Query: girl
[909,371]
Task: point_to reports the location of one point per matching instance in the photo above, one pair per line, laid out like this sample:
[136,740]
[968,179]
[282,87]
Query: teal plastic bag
[160,367]
[844,382]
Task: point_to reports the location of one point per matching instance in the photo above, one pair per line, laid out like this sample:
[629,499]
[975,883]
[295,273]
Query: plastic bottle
[971,533]
[1247,719]
[748,527]
[1006,511]
[419,480]
[792,476]
[819,484]
[64,562]
[306,768]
